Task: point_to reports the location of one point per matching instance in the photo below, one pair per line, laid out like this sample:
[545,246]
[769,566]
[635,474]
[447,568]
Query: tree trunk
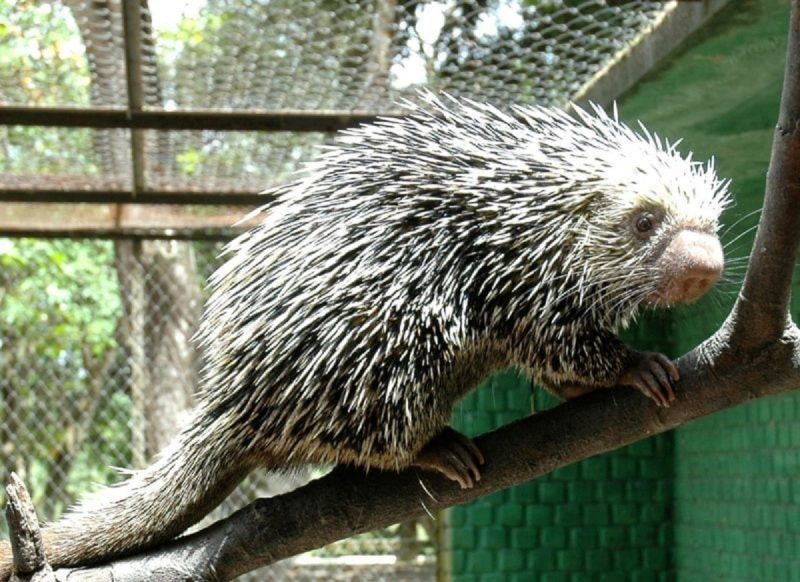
[162,300]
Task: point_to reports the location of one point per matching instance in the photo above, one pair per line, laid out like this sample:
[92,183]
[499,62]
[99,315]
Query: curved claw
[453,455]
[654,375]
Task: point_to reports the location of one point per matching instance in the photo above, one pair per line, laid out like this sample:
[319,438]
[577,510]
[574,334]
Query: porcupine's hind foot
[453,455]
[654,375]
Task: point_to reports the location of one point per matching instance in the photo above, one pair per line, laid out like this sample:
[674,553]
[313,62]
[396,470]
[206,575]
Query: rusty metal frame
[140,195]
[185,119]
[137,118]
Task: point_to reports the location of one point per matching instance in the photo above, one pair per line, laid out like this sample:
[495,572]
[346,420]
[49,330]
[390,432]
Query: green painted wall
[737,474]
[606,518]
[719,498]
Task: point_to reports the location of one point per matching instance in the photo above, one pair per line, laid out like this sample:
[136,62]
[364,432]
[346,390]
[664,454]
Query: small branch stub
[30,564]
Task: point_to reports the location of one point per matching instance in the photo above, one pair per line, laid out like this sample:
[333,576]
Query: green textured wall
[737,474]
[718,499]
[606,518]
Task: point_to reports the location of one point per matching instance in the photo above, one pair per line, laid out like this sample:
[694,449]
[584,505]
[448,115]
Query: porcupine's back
[345,317]
[401,269]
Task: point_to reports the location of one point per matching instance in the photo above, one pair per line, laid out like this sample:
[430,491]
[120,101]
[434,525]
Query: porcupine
[407,263]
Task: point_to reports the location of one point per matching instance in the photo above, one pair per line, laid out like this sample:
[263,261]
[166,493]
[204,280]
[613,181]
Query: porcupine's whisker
[730,227]
[609,282]
[634,293]
[734,275]
[605,282]
[728,282]
[742,234]
[739,266]
[625,300]
[569,294]
[589,301]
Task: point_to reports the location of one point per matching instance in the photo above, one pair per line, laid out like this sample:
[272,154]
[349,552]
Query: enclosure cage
[134,135]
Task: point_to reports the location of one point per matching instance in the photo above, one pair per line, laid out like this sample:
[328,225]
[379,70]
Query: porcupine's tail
[187,480]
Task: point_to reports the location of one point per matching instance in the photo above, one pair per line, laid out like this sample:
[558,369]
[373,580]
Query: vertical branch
[762,310]
[25,535]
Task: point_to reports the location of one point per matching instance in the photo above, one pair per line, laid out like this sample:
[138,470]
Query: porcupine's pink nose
[691,264]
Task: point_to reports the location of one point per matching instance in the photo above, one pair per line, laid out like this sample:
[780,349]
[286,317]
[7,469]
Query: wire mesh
[307,55]
[225,161]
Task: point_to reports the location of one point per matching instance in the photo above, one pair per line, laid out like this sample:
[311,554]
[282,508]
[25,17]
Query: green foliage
[61,290]
[59,311]
[189,160]
[42,62]
[41,49]
[46,150]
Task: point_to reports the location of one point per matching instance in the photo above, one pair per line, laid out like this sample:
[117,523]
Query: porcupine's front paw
[654,375]
[453,455]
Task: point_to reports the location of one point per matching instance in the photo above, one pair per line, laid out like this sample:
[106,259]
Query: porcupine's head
[644,228]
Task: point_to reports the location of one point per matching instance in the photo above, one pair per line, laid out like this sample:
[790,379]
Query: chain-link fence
[332,57]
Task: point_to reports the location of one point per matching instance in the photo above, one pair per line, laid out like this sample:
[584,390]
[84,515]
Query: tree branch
[30,564]
[755,353]
[347,502]
[762,310]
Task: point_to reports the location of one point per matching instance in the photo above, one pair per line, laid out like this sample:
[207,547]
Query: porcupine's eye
[644,225]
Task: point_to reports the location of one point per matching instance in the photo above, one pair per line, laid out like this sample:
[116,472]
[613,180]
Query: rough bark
[30,564]
[755,353]
[162,299]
